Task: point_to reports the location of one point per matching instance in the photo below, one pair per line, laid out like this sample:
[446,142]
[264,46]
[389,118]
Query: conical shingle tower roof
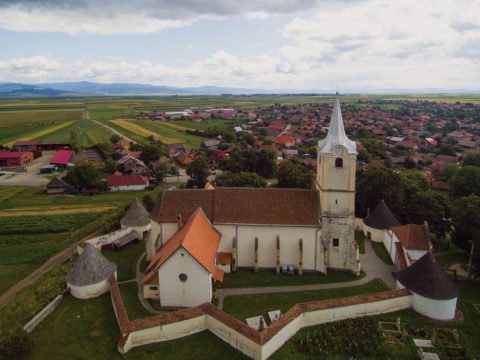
[426,277]
[336,133]
[381,217]
[136,215]
[90,268]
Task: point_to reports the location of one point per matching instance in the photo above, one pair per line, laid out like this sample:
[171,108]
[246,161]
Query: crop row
[12,225]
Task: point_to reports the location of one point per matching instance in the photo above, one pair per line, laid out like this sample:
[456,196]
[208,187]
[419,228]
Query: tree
[84,176]
[150,153]
[160,171]
[466,222]
[110,166]
[148,202]
[466,181]
[198,170]
[292,174]
[374,185]
[447,149]
[472,159]
[241,179]
[115,138]
[266,164]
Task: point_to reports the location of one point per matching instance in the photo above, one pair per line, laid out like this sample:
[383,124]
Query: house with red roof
[133,182]
[62,157]
[286,140]
[183,270]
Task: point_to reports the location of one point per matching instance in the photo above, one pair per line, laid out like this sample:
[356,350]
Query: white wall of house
[128,188]
[195,291]
[150,243]
[89,291]
[151,291]
[376,235]
[434,309]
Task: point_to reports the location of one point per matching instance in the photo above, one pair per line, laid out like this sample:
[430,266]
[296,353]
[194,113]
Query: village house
[131,165]
[62,158]
[57,186]
[120,182]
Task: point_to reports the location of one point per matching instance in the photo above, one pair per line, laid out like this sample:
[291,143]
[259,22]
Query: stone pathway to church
[373,266]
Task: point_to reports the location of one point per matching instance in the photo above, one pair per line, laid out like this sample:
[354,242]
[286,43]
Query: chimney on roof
[179,221]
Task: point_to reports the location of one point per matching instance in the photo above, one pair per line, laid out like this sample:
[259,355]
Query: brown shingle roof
[136,215]
[413,236]
[242,206]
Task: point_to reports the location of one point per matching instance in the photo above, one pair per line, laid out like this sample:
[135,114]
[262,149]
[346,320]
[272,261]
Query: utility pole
[471,256]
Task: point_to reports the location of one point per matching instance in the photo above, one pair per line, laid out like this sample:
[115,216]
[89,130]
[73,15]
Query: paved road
[55,260]
[32,176]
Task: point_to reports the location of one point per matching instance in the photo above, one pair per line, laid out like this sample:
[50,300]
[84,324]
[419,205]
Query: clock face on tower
[339,150]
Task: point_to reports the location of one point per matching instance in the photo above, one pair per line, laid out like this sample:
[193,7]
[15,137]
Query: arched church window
[339,162]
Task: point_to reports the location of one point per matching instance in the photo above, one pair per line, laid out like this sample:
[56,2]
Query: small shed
[379,220]
[137,218]
[90,274]
[434,293]
[58,186]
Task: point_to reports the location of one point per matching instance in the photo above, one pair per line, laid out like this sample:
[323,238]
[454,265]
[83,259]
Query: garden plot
[392,331]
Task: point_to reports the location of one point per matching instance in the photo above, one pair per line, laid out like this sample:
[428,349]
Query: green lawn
[446,259]
[126,259]
[134,308]
[247,278]
[245,306]
[382,253]
[360,239]
[87,329]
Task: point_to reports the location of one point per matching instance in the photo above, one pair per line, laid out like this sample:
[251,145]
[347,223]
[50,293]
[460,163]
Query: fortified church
[198,235]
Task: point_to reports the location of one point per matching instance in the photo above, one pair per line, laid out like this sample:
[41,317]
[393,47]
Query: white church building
[268,228]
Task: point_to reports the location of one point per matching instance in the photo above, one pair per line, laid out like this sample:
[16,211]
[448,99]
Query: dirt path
[28,280]
[112,130]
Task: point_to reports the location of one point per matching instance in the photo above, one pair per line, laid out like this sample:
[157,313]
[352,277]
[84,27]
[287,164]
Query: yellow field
[55,210]
[139,130]
[42,132]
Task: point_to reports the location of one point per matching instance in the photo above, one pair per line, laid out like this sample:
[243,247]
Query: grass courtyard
[245,306]
[247,278]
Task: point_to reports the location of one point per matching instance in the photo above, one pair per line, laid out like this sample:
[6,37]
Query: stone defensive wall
[254,344]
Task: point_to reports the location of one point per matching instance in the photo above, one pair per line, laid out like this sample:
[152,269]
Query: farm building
[182,272]
[62,157]
[15,158]
[434,293]
[58,186]
[90,275]
[120,182]
[29,145]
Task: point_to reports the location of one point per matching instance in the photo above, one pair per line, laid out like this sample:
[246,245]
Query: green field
[89,133]
[28,241]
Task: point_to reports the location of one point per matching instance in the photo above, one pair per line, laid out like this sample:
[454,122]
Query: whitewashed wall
[89,291]
[434,309]
[377,235]
[195,291]
[128,188]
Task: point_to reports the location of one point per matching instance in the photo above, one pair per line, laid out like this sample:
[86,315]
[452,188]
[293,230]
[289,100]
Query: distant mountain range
[85,88]
[59,89]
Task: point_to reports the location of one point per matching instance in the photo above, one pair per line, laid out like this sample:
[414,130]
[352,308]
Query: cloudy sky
[358,45]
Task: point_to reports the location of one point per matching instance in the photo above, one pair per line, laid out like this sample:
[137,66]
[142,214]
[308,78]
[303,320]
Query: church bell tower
[336,165]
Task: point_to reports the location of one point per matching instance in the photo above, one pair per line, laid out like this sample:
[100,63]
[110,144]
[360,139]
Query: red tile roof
[124,180]
[62,157]
[11,154]
[198,237]
[413,236]
[224,258]
[241,206]
[401,260]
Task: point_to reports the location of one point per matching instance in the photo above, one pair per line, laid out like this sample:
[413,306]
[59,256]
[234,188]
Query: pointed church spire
[336,132]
